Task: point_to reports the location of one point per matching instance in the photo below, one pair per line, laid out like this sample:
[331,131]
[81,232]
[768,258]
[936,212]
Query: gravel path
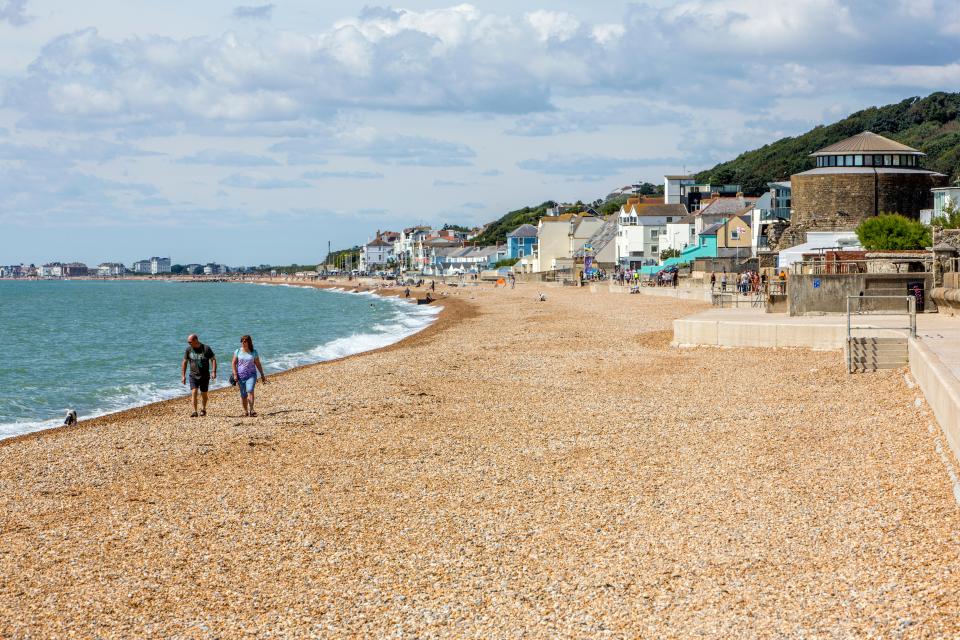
[521,469]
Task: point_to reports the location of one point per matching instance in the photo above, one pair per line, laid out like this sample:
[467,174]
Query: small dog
[70,419]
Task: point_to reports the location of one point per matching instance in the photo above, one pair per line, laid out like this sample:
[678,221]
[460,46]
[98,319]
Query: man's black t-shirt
[199,360]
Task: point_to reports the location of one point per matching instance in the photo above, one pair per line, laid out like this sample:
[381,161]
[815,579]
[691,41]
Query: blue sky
[249,133]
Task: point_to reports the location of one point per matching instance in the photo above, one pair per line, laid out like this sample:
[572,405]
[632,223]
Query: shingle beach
[519,469]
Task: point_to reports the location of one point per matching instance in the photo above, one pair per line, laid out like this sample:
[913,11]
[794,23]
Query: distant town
[641,229]
[155,266]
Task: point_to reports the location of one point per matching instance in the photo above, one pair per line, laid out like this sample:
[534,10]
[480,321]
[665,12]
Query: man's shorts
[200,383]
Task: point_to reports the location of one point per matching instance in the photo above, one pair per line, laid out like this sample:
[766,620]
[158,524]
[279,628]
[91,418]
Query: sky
[259,133]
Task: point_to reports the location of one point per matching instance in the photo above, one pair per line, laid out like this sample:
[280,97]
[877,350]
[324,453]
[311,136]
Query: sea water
[99,347]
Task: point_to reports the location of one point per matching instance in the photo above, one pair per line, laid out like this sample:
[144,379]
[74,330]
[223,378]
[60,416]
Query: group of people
[202,362]
[745,283]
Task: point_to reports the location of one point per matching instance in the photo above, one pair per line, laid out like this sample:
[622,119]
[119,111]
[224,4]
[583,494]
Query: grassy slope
[929,124]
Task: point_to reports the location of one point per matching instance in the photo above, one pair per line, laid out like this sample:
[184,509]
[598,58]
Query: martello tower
[856,178]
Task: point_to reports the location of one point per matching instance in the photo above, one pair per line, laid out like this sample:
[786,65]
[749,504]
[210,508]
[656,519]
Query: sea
[103,346]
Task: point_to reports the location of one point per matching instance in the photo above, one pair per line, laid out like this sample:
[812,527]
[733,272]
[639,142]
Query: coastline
[546,469]
[443,318]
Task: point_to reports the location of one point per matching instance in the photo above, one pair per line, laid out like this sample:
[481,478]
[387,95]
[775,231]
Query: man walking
[200,357]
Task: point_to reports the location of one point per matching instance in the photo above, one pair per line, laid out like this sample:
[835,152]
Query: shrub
[892,231]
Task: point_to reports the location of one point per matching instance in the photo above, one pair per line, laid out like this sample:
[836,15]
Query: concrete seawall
[940,388]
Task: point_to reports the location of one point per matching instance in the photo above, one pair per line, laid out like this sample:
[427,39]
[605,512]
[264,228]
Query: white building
[642,231]
[159,265]
[140,266]
[559,237]
[672,188]
[110,269]
[679,234]
[944,197]
[376,254]
[818,241]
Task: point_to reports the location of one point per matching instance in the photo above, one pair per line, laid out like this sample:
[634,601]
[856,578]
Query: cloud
[244,181]
[345,175]
[473,205]
[153,202]
[462,59]
[262,12]
[588,166]
[631,114]
[69,153]
[14,12]
[380,148]
[451,183]
[227,159]
[492,173]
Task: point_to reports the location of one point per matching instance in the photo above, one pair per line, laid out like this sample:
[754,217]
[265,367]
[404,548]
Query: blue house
[520,241]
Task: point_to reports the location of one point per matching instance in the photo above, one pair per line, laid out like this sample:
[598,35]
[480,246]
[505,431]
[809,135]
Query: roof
[523,231]
[378,242]
[680,177]
[563,217]
[711,230]
[659,210]
[866,142]
[727,206]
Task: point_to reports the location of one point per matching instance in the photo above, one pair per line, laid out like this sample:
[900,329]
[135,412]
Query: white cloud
[14,12]
[553,25]
[377,147]
[342,175]
[245,181]
[260,12]
[228,159]
[590,165]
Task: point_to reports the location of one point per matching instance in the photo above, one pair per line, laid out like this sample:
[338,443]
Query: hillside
[496,232]
[929,124]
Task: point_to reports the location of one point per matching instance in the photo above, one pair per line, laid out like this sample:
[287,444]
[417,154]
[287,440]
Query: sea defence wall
[719,330]
[940,388]
[811,294]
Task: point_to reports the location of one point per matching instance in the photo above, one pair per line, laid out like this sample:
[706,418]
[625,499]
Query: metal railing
[859,309]
[867,265]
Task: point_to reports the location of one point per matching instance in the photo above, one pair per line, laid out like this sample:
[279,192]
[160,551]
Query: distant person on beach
[723,281]
[200,357]
[246,363]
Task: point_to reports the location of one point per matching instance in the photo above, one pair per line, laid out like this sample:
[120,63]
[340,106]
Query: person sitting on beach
[200,357]
[246,363]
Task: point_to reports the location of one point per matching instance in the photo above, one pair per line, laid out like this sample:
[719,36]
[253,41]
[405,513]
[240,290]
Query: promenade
[520,469]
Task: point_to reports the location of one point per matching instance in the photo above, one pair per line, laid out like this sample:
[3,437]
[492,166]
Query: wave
[406,320]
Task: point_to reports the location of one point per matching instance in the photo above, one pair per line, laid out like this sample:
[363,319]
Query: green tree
[892,231]
[177,269]
[669,253]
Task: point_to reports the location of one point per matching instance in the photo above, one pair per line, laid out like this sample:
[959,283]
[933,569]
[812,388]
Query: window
[896,161]
[653,233]
[858,161]
[868,161]
[887,161]
[833,160]
[849,161]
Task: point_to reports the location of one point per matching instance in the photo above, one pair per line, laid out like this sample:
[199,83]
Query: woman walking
[246,363]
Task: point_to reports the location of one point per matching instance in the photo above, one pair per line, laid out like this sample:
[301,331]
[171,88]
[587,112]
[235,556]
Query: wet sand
[518,469]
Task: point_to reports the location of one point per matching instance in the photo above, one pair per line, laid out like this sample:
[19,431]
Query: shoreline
[443,319]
